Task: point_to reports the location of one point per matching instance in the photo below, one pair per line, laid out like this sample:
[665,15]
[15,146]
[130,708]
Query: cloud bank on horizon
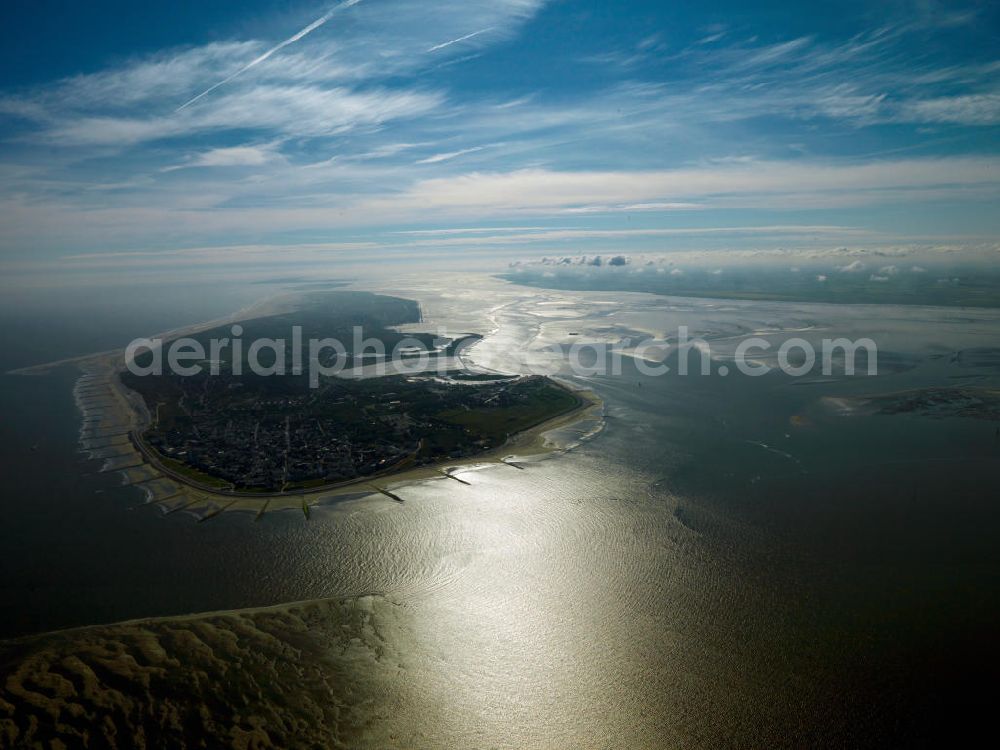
[511,127]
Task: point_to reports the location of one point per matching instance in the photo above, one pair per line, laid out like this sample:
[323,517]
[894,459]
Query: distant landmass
[853,283]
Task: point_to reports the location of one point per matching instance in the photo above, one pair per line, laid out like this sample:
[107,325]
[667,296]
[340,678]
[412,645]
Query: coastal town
[256,434]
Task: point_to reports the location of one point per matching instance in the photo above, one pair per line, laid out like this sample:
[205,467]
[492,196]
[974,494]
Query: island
[275,434]
[224,436]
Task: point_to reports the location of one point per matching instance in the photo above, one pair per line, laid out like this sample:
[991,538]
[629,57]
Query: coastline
[273,305]
[186,618]
[530,441]
[151,676]
[113,418]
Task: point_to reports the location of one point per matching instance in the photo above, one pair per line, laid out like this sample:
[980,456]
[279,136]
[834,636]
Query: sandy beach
[113,418]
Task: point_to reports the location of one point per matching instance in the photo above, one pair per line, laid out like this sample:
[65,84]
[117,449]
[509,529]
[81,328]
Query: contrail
[436,47]
[258,60]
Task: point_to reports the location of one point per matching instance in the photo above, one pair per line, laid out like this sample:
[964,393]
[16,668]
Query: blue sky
[166,134]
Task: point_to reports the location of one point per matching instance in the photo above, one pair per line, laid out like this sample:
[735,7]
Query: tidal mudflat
[709,545]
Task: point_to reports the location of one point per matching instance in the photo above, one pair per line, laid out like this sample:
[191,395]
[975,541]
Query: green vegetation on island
[239,431]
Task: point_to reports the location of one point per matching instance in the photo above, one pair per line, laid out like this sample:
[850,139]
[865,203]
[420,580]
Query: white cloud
[331,196]
[271,51]
[634,208]
[350,129]
[213,255]
[779,183]
[968,109]
[297,110]
[466,230]
[448,156]
[315,88]
[459,40]
[235,156]
[159,77]
[854,267]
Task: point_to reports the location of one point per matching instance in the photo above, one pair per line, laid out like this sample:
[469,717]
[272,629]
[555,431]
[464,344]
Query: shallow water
[727,558]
